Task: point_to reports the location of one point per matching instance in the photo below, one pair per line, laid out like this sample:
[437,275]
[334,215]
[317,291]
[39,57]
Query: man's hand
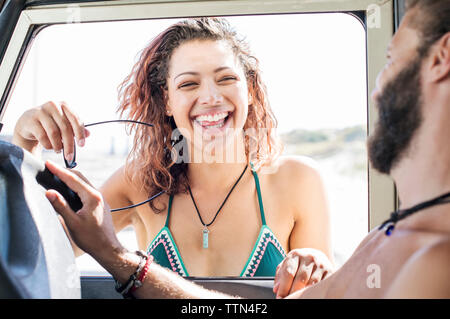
[91,227]
[301,268]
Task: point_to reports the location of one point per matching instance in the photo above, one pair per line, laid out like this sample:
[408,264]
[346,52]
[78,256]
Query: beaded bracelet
[125,288]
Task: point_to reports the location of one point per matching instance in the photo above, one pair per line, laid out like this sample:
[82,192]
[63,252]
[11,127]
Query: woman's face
[207,94]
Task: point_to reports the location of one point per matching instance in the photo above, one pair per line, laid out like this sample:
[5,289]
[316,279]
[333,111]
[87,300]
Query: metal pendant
[205,232]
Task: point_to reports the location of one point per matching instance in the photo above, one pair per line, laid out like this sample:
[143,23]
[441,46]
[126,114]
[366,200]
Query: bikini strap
[258,191]
[168,211]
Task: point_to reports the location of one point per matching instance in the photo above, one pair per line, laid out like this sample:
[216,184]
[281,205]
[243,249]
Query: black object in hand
[49,181]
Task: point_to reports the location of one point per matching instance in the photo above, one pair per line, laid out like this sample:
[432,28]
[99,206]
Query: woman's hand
[52,125]
[301,268]
[91,227]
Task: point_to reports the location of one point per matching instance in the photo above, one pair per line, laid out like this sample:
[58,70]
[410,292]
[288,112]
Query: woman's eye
[228,78]
[187,85]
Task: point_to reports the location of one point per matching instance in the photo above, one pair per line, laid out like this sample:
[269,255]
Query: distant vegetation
[348,134]
[325,143]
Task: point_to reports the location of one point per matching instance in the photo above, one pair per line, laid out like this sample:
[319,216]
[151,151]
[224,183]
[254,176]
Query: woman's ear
[166,102]
[168,109]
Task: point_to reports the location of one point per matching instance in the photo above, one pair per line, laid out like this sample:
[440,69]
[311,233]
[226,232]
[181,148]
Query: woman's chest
[213,241]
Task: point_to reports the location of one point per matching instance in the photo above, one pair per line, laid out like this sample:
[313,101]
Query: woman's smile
[213,122]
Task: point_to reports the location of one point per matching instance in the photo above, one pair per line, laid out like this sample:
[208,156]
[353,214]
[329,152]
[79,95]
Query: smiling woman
[213,148]
[178,77]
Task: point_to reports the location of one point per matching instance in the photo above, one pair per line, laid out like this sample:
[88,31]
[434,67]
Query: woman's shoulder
[121,190]
[292,170]
[295,182]
[123,183]
[117,181]
[293,179]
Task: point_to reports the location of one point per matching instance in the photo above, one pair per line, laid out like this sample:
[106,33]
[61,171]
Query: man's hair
[432,21]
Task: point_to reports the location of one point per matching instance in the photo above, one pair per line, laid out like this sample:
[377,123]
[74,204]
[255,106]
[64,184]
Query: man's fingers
[82,177]
[74,182]
[60,205]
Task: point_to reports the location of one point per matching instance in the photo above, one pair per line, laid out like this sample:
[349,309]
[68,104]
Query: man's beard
[400,116]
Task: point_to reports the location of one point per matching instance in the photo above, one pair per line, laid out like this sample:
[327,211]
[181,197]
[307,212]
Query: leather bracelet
[125,288]
[139,281]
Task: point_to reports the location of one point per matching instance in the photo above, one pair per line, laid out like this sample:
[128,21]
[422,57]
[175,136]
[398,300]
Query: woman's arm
[310,259]
[114,194]
[312,227]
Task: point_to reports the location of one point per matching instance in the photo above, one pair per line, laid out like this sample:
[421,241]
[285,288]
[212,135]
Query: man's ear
[440,60]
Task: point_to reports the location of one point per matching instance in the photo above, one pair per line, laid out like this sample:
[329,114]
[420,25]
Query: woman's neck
[209,170]
[211,176]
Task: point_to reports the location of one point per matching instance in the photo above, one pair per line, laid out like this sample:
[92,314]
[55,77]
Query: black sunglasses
[73,163]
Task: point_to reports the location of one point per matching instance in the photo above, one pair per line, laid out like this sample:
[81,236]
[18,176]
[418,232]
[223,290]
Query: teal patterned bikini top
[267,252]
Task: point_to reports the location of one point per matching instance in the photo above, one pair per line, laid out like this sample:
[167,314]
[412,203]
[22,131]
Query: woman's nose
[209,94]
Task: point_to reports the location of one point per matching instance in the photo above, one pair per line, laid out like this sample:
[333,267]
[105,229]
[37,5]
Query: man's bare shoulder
[426,273]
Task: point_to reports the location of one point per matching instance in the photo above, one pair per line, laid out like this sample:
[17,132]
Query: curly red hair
[142,98]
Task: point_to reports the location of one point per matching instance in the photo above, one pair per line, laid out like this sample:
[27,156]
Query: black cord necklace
[403,213]
[205,231]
